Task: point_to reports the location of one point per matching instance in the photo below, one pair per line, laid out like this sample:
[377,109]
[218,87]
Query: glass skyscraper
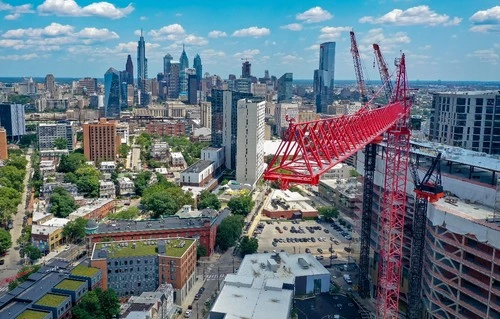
[183,65]
[142,63]
[199,69]
[112,93]
[324,77]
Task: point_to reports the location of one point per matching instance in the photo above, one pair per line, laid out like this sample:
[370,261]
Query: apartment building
[100,140]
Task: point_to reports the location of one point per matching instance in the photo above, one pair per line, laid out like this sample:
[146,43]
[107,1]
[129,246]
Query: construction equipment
[429,189]
[384,72]
[358,68]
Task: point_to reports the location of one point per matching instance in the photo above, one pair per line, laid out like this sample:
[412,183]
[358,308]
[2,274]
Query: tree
[208,200]
[249,246]
[5,240]
[61,143]
[123,150]
[141,182]
[97,304]
[74,231]
[160,204]
[71,162]
[62,203]
[129,213]
[13,177]
[17,161]
[32,252]
[241,205]
[229,231]
[9,200]
[88,180]
[201,251]
[328,213]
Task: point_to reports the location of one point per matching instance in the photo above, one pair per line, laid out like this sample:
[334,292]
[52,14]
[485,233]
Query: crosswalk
[215,276]
[4,288]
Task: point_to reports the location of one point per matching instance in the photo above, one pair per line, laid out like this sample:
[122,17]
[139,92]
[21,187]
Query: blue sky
[446,39]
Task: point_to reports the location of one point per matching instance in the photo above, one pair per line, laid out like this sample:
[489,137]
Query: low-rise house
[47,167]
[126,186]
[159,150]
[48,188]
[48,236]
[59,305]
[108,167]
[107,189]
[158,304]
[289,205]
[95,209]
[177,159]
[93,276]
[75,288]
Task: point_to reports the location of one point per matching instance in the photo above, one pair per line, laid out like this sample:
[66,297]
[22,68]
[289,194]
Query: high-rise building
[112,97]
[4,153]
[100,140]
[243,85]
[246,70]
[87,86]
[281,112]
[142,64]
[199,68]
[183,65]
[12,118]
[48,133]
[174,81]
[167,62]
[324,77]
[467,119]
[192,81]
[250,140]
[285,88]
[50,84]
[206,114]
[129,69]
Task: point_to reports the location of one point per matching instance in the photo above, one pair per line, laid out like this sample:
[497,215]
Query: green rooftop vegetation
[32,314]
[68,284]
[142,248]
[84,271]
[51,300]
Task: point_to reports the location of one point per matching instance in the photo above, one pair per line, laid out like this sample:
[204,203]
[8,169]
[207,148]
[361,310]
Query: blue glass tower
[112,102]
[142,63]
[183,65]
[324,77]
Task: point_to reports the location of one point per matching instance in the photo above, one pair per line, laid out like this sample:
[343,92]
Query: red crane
[358,68]
[309,149]
[384,72]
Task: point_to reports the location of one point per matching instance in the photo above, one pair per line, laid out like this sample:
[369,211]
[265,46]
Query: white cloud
[169,32]
[217,34]
[255,32]
[316,14]
[142,18]
[426,47]
[54,29]
[19,57]
[71,8]
[489,16]
[290,59]
[194,40]
[485,28]
[178,14]
[14,44]
[100,34]
[387,43]
[211,53]
[487,56]
[15,11]
[292,27]
[313,47]
[420,15]
[267,43]
[247,54]
[332,33]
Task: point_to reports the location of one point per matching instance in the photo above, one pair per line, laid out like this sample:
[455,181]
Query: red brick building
[169,128]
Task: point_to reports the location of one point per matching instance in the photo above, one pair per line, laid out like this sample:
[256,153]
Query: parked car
[320,250]
[308,250]
[187,314]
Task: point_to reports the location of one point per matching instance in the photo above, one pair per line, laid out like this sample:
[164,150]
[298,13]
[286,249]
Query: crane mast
[358,68]
[384,72]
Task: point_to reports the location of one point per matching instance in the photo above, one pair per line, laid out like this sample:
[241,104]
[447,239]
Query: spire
[141,32]
[183,47]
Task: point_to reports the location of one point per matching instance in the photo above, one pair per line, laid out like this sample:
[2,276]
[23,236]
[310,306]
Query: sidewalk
[190,296]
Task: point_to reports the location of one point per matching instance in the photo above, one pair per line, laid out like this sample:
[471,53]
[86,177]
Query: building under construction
[461,257]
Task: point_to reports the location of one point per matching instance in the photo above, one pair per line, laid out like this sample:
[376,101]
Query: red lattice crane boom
[384,72]
[358,68]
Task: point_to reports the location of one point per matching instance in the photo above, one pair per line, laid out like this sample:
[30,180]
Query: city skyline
[76,39]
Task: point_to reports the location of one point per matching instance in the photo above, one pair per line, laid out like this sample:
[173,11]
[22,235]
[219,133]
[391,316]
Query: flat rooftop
[133,248]
[34,314]
[70,284]
[51,300]
[488,92]
[294,200]
[198,167]
[167,223]
[90,207]
[84,271]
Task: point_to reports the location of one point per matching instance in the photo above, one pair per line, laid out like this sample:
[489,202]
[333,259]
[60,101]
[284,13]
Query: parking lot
[306,237]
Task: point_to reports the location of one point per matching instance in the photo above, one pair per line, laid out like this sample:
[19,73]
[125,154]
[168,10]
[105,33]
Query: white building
[339,171]
[158,304]
[206,114]
[48,133]
[281,111]
[177,159]
[213,154]
[122,130]
[159,150]
[197,174]
[107,189]
[250,140]
[126,186]
[108,167]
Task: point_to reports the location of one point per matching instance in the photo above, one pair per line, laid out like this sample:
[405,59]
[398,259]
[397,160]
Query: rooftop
[95,204]
[33,314]
[70,284]
[134,248]
[198,167]
[51,300]
[492,92]
[282,200]
[84,271]
[56,222]
[43,229]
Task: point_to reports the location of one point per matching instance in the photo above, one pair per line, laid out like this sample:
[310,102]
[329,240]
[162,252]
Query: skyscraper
[246,70]
[12,118]
[50,84]
[183,65]
[199,69]
[112,98]
[49,132]
[100,140]
[129,68]
[285,87]
[142,63]
[174,81]
[324,77]
[192,86]
[167,62]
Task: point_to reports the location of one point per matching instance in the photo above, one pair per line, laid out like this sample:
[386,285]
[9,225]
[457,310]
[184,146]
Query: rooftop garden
[68,284]
[84,271]
[143,248]
[51,300]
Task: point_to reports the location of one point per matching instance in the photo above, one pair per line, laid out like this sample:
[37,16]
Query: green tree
[228,231]
[208,200]
[62,203]
[32,252]
[241,205]
[20,99]
[123,150]
[17,161]
[5,240]
[249,245]
[129,213]
[201,251]
[98,304]
[141,182]
[88,180]
[9,200]
[74,231]
[61,143]
[328,213]
[160,204]
[71,162]
[13,177]
[28,140]
[354,173]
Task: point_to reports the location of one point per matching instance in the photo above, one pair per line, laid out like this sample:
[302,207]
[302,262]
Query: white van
[347,279]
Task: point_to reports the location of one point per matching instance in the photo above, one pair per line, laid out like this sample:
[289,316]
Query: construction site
[430,214]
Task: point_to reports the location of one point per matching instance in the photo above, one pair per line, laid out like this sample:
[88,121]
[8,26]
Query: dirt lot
[323,240]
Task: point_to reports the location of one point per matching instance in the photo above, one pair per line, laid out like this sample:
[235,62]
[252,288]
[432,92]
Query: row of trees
[85,177]
[165,198]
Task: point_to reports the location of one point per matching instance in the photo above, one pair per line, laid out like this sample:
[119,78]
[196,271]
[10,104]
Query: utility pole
[218,279]
[331,254]
[233,264]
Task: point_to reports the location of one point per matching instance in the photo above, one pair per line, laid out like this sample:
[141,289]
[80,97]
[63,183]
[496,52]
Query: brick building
[100,140]
[95,209]
[3,144]
[167,128]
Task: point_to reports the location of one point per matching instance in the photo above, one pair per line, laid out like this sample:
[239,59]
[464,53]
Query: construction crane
[370,158]
[384,72]
[429,189]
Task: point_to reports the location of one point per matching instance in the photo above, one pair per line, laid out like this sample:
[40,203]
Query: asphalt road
[12,258]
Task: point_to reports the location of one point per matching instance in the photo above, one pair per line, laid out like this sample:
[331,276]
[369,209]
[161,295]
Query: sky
[442,40]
